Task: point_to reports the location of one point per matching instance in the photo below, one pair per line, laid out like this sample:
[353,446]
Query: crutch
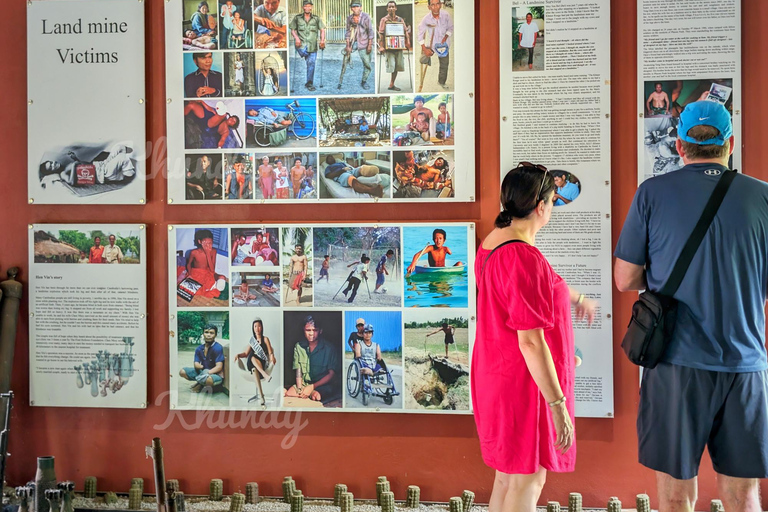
[368,288]
[343,284]
[410,75]
[424,66]
[322,66]
[378,76]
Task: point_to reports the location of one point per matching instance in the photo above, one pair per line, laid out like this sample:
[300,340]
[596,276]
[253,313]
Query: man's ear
[731,142]
[679,148]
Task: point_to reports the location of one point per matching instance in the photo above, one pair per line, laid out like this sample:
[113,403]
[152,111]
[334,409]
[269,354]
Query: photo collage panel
[322,317]
[324,100]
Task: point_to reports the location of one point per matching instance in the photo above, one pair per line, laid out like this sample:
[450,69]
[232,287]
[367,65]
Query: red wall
[440,454]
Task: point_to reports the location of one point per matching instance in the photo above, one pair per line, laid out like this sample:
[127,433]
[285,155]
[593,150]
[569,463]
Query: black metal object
[7,399]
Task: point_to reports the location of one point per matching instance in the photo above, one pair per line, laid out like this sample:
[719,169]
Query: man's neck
[436,15]
[203,72]
[392,17]
[717,161]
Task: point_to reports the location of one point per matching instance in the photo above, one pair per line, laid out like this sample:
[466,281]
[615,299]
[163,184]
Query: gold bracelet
[556,402]
[580,299]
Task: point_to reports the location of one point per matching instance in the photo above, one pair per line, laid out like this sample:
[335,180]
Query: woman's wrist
[559,401]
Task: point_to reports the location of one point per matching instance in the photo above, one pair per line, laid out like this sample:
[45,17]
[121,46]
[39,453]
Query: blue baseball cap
[705,113]
[368,328]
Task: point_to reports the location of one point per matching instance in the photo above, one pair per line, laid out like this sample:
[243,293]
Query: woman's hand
[563,427]
[586,309]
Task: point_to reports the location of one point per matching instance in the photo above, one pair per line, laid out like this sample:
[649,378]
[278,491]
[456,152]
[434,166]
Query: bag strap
[502,244]
[694,241]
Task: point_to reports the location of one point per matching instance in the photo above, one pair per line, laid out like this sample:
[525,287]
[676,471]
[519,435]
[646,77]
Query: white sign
[86,111]
[555,107]
[87,326]
[684,54]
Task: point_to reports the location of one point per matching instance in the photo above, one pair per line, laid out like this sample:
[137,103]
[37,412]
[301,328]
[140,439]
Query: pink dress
[518,291]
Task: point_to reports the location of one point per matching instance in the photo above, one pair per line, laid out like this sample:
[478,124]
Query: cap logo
[712,172]
[703,118]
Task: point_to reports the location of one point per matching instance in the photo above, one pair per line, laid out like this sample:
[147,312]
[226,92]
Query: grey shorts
[682,410]
[395,61]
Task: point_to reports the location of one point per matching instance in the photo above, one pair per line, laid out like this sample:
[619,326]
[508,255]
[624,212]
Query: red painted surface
[438,453]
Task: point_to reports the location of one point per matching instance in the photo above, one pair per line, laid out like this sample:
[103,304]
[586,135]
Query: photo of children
[270,21]
[256,358]
[436,273]
[394,46]
[203,177]
[664,100]
[202,267]
[422,120]
[297,266]
[312,344]
[434,45]
[202,356]
[528,38]
[286,175]
[354,122]
[199,25]
[213,124]
[271,74]
[357,174]
[423,174]
[203,75]
[256,290]
[357,265]
[568,187]
[255,247]
[240,75]
[236,25]
[373,359]
[436,354]
[73,246]
[280,122]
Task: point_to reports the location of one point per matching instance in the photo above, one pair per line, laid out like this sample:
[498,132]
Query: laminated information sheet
[327,317]
[87,325]
[555,112]
[688,50]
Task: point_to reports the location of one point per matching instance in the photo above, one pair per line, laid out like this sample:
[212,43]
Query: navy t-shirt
[721,316]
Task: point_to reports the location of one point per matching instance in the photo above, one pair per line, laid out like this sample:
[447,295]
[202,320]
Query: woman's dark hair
[521,192]
[253,327]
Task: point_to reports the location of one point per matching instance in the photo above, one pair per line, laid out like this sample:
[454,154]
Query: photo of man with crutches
[434,42]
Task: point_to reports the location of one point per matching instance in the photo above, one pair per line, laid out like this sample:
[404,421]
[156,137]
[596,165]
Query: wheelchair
[236,43]
[380,384]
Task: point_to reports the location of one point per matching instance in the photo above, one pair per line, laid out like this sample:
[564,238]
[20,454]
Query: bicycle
[302,125]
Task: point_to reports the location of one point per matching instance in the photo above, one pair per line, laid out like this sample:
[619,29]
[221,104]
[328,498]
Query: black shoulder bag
[654,313]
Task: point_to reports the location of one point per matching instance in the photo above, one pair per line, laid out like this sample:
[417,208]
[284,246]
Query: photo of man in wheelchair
[368,374]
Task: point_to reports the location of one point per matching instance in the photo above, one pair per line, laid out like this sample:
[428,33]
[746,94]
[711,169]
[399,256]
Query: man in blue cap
[710,388]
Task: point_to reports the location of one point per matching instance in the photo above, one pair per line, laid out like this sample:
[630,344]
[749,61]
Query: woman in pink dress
[523,358]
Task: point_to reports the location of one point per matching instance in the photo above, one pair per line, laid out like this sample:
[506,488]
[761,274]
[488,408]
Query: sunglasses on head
[540,168]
